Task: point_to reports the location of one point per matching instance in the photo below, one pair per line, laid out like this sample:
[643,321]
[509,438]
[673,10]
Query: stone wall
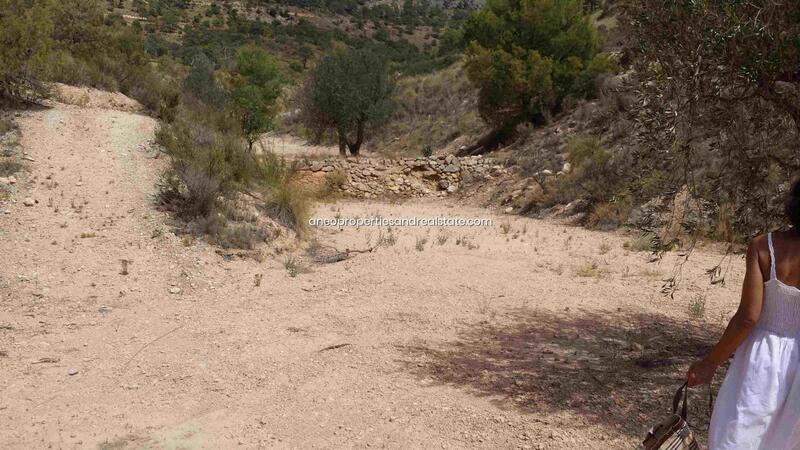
[413,177]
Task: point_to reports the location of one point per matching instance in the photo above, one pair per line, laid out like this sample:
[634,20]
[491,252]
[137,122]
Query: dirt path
[523,334]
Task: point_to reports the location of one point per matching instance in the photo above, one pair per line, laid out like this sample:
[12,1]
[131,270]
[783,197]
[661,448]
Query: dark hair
[792,205]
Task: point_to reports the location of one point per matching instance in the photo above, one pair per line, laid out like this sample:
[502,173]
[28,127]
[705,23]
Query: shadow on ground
[614,370]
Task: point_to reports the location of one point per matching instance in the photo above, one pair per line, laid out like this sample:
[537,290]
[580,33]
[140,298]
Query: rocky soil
[117,333]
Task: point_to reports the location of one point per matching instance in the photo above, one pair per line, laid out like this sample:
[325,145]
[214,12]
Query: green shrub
[25,41]
[257,86]
[645,242]
[527,57]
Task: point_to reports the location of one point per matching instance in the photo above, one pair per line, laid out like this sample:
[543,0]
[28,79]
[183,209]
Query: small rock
[28,201]
[73,371]
[12,179]
[174,290]
[452,168]
[452,188]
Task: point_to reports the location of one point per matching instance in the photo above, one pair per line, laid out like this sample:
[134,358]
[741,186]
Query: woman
[758,406]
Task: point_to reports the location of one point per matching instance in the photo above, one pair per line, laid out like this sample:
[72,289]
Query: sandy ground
[522,334]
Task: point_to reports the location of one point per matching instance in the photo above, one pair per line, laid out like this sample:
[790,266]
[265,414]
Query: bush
[607,216]
[528,56]
[25,40]
[290,205]
[10,168]
[243,236]
[257,87]
[209,139]
[592,175]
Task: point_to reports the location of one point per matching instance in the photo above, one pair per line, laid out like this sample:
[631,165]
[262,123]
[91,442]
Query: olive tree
[719,111]
[349,91]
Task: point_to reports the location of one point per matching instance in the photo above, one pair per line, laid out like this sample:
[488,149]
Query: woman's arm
[740,325]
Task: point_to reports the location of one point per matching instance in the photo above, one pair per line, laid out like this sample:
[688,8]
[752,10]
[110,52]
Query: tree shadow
[615,370]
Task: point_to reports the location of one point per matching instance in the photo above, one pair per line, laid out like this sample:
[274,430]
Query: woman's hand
[701,372]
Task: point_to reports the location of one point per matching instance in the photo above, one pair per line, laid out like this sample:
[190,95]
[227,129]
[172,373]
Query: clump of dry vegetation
[213,177]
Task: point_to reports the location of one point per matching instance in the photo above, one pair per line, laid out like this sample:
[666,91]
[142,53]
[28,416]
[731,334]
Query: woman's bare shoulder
[758,243]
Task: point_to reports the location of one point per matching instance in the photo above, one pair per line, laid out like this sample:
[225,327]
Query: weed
[387,240]
[290,264]
[697,307]
[604,248]
[505,227]
[420,245]
[646,242]
[591,270]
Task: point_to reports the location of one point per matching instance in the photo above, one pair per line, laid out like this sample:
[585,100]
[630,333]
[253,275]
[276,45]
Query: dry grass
[290,204]
[591,270]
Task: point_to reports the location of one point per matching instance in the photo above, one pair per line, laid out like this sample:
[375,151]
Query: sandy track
[485,339]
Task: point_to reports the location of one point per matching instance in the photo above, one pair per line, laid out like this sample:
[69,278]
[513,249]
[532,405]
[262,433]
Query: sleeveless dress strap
[772,272]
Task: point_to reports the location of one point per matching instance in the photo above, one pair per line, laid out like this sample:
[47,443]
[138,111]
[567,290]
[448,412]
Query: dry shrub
[607,216]
[10,168]
[290,205]
[188,191]
[335,180]
[244,236]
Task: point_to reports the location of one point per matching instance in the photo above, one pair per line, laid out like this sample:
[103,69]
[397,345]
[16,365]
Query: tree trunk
[484,145]
[342,144]
[355,147]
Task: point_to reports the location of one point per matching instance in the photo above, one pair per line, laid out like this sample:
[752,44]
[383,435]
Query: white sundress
[758,406]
